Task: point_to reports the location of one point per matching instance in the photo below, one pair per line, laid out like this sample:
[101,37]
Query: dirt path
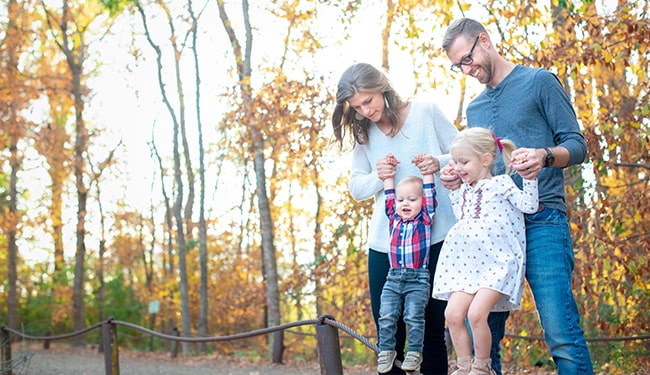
[64,360]
[72,361]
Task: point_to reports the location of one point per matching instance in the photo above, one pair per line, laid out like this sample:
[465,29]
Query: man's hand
[448,176]
[528,162]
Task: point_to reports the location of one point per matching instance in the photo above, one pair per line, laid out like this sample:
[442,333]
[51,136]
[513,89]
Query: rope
[351,332]
[219,338]
[58,337]
[588,339]
[325,319]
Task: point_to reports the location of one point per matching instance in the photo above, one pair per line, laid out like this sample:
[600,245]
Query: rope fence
[509,335]
[589,339]
[327,329]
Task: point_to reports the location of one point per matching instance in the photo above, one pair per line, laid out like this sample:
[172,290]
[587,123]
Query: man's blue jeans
[549,264]
[409,289]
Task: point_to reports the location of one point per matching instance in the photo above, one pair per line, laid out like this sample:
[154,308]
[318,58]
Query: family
[461,218]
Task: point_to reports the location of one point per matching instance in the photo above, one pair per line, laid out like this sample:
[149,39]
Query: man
[530,107]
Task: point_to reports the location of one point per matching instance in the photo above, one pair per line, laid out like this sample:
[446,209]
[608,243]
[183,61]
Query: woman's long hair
[358,78]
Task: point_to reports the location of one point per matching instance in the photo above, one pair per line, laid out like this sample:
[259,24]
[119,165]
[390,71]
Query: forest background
[177,156]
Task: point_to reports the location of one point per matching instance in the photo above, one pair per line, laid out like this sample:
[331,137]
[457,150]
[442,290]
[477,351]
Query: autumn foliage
[132,253]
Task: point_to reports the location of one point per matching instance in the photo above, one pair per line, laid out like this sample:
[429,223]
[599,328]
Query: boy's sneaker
[412,361]
[385,361]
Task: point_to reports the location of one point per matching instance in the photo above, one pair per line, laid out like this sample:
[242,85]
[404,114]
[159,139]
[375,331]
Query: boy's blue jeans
[407,289]
[549,264]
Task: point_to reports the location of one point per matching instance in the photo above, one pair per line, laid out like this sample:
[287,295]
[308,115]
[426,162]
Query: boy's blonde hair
[412,180]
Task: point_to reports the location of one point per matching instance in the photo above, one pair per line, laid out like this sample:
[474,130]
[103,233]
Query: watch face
[550,159]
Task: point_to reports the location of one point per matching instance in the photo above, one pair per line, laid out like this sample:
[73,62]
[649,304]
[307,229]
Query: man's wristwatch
[550,158]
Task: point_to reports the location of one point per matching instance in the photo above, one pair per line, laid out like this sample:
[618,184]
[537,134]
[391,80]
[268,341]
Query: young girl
[482,261]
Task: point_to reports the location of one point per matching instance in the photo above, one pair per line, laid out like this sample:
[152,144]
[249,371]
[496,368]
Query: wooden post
[154,307]
[278,346]
[329,348]
[174,346]
[46,343]
[5,358]
[111,349]
[152,325]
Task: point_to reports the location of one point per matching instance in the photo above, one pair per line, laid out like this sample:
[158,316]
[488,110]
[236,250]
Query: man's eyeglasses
[467,60]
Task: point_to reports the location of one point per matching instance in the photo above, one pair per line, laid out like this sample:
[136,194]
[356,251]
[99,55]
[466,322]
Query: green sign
[154,307]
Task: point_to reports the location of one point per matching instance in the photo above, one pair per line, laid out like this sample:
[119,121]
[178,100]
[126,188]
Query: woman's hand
[427,164]
[386,167]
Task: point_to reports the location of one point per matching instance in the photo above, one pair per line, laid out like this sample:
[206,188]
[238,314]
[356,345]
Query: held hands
[386,167]
[448,176]
[426,163]
[528,162]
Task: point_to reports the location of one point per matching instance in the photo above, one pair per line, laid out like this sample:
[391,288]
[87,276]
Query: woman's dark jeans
[434,353]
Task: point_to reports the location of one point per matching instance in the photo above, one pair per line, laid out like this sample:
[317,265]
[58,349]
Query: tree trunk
[268,249]
[14,131]
[178,177]
[203,241]
[385,34]
[318,245]
[180,240]
[168,265]
[82,196]
[12,303]
[56,211]
[243,61]
[75,57]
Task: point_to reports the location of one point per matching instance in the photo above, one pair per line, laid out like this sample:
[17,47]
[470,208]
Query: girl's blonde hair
[481,141]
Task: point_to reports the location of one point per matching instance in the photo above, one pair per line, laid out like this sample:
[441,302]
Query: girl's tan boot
[464,365]
[482,366]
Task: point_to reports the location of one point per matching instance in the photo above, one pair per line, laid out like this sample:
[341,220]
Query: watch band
[550,158]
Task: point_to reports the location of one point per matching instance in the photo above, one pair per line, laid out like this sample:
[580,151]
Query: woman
[379,121]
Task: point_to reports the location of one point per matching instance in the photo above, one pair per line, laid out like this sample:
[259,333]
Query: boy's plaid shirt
[410,240]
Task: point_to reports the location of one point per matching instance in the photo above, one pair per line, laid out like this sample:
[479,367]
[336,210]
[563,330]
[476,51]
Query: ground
[65,360]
